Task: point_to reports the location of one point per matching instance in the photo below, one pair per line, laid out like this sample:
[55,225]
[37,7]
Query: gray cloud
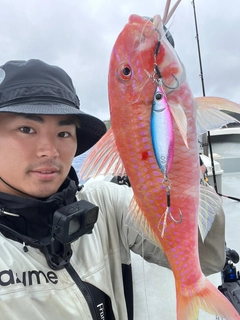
[79,36]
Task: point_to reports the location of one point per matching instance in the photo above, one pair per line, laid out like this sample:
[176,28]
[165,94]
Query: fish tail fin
[209,299]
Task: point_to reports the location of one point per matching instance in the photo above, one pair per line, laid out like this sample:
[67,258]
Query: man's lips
[45,173]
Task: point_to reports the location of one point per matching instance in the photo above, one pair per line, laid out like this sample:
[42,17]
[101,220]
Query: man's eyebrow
[38,118]
[67,122]
[33,117]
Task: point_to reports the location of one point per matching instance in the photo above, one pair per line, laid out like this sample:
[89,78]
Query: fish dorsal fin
[103,159]
[180,119]
[209,205]
[210,116]
[135,219]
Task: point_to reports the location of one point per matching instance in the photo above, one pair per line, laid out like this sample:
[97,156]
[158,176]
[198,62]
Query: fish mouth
[157,23]
[156,20]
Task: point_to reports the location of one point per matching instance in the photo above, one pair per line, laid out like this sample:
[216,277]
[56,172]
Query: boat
[225,145]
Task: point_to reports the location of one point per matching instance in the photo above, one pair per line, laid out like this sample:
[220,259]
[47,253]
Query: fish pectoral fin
[135,219]
[180,118]
[209,205]
[211,115]
[103,159]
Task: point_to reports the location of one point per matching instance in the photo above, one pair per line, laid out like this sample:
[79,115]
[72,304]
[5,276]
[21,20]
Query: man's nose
[47,148]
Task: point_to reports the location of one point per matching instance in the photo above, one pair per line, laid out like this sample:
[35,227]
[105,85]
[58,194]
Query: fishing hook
[180,217]
[160,78]
[167,184]
[174,87]
[158,73]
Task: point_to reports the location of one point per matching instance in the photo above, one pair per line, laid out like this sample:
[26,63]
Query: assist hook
[158,73]
[167,185]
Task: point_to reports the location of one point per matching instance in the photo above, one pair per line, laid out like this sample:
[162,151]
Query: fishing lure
[162,130]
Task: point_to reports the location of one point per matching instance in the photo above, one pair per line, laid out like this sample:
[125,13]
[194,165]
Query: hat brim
[91,128]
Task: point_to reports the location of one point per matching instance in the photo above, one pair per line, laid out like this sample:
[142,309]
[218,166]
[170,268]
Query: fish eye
[125,71]
[158,96]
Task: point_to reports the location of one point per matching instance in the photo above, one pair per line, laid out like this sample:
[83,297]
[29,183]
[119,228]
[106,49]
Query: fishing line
[144,280]
[206,138]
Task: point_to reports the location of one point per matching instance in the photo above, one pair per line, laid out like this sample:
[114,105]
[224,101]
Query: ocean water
[78,161]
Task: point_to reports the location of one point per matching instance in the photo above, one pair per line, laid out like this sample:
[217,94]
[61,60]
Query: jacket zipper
[84,289]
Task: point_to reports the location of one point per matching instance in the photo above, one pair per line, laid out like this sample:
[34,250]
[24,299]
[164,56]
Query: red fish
[165,207]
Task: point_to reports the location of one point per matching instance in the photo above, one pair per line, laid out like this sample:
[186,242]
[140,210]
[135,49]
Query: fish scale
[180,240]
[189,281]
[130,97]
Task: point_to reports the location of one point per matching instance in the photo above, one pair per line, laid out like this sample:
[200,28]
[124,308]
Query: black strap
[99,303]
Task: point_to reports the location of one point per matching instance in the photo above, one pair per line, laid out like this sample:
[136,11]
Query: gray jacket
[29,289]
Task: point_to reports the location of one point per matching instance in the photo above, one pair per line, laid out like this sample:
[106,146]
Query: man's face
[36,153]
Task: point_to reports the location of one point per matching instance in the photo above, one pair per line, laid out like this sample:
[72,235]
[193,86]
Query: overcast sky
[79,35]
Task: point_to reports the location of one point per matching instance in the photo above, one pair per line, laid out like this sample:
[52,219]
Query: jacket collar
[35,215]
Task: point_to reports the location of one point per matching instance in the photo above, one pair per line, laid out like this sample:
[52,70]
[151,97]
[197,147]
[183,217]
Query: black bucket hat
[35,87]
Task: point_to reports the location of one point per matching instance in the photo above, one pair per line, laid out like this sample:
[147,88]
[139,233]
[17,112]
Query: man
[52,265]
